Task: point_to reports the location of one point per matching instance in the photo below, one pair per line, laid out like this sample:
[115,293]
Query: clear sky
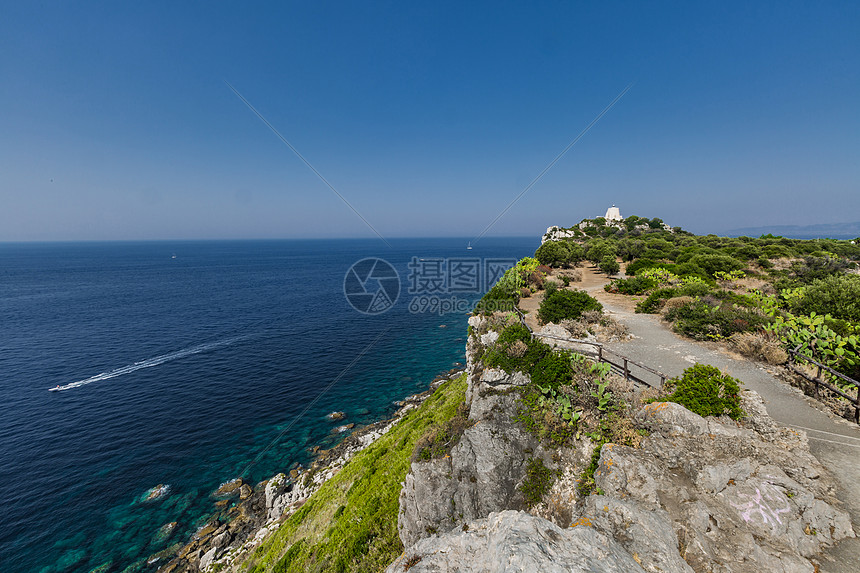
[116,121]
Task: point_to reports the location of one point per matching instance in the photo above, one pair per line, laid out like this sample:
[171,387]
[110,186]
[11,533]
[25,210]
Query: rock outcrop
[697,494]
[516,542]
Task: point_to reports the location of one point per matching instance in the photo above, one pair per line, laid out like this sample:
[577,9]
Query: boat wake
[150,362]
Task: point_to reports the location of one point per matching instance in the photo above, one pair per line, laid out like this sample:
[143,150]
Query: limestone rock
[646,533]
[208,558]
[516,542]
[481,475]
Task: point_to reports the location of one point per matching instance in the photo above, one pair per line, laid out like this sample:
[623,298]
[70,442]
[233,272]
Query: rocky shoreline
[249,513]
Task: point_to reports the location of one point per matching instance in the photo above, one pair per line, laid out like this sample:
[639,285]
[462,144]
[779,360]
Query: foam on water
[150,362]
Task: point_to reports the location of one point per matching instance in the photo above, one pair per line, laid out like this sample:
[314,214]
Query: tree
[553,253]
[598,250]
[577,253]
[609,265]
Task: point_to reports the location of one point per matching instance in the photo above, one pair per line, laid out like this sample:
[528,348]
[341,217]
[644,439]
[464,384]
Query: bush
[516,350]
[552,370]
[551,287]
[814,268]
[837,295]
[694,289]
[705,390]
[609,265]
[758,346]
[638,265]
[566,304]
[655,300]
[632,286]
[701,320]
[553,253]
[713,263]
[498,298]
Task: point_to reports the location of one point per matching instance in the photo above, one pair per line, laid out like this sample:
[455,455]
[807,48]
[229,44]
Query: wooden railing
[818,380]
[618,363]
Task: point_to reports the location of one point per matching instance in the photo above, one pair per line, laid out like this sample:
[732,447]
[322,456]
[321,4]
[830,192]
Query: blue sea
[186,364]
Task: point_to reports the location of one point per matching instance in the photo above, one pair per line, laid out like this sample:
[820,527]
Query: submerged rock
[155,493]
[229,488]
[164,532]
[336,416]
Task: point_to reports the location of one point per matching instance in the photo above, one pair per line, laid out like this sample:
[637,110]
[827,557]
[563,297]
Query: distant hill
[821,231]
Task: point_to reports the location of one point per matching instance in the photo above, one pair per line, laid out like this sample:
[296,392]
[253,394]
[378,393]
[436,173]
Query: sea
[183,365]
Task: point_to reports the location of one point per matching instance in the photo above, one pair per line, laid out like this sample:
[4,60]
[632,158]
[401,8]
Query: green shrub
[498,298]
[609,265]
[515,350]
[837,295]
[553,370]
[689,269]
[705,390]
[815,268]
[537,483]
[639,264]
[701,320]
[713,263]
[553,253]
[632,286]
[652,304]
[566,304]
[694,289]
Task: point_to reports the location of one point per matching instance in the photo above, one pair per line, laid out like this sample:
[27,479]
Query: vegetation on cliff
[350,524]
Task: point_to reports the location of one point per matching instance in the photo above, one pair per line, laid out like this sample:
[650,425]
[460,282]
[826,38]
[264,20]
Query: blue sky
[429,118]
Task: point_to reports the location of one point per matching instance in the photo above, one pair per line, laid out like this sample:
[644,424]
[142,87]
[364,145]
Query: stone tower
[613,214]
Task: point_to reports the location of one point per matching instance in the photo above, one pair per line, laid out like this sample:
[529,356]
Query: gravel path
[834,441]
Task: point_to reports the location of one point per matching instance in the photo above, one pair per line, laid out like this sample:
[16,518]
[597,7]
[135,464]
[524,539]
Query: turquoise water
[182,363]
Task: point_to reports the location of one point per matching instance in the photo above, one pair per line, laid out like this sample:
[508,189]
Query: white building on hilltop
[613,214]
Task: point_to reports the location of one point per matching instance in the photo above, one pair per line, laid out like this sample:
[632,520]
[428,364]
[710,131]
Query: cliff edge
[686,493]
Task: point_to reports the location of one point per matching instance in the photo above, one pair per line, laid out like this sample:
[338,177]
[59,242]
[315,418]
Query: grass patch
[350,523]
[440,440]
[586,484]
[537,483]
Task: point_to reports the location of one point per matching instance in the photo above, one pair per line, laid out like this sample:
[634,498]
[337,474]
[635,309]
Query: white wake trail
[150,362]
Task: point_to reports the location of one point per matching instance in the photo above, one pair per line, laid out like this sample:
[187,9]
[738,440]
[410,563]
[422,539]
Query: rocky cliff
[694,494]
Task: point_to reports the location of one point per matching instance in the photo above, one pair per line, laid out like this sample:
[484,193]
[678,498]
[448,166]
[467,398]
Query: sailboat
[469,248]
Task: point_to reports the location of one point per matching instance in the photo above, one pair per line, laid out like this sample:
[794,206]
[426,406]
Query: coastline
[249,513]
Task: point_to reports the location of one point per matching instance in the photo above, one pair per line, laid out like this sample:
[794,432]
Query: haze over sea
[182,362]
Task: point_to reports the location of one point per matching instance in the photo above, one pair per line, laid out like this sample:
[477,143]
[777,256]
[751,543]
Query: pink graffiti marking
[757,506]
